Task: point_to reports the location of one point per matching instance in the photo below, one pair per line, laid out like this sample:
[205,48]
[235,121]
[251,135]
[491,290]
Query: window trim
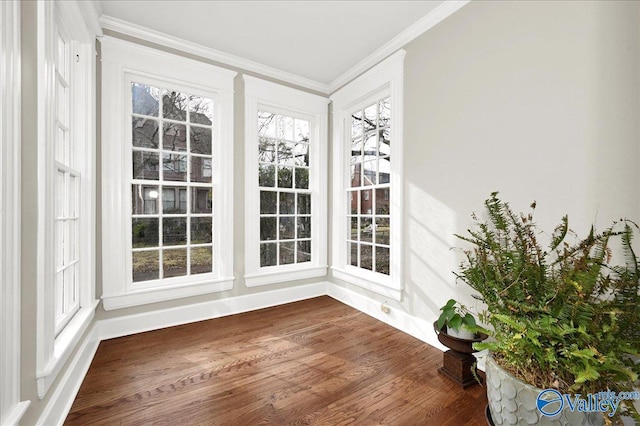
[120,60]
[261,94]
[384,79]
[11,408]
[53,350]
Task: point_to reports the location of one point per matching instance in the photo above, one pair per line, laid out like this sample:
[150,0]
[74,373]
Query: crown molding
[147,34]
[437,15]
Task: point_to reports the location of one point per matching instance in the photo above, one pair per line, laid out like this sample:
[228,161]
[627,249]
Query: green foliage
[456,317]
[565,317]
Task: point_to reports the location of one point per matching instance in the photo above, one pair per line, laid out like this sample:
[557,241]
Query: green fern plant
[562,317]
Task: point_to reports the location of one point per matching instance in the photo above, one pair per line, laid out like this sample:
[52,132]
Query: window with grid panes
[171,187]
[369,191]
[285,197]
[66,191]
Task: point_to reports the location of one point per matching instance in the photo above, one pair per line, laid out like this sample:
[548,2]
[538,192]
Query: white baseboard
[139,323]
[56,410]
[416,327]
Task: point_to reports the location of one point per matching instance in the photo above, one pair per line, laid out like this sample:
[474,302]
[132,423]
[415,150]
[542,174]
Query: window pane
[201,260]
[353,254]
[287,253]
[301,152]
[385,142]
[145,165]
[284,129]
[286,153]
[201,230]
[304,227]
[146,265]
[268,228]
[304,203]
[267,176]
[355,228]
[174,231]
[382,230]
[201,200]
[144,132]
[369,177]
[200,140]
[352,202]
[174,263]
[384,108]
[266,150]
[174,167]
[268,202]
[287,202]
[385,170]
[366,256]
[174,137]
[370,146]
[382,260]
[285,177]
[370,117]
[145,99]
[268,254]
[144,199]
[382,201]
[200,169]
[366,201]
[266,124]
[287,228]
[366,229]
[302,178]
[200,110]
[145,232]
[172,200]
[301,130]
[174,105]
[304,251]
[356,124]
[355,175]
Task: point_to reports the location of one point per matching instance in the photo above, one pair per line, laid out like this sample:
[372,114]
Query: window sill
[64,345]
[157,294]
[280,275]
[368,281]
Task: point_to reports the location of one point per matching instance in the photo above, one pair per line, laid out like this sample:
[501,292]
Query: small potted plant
[459,321]
[457,330]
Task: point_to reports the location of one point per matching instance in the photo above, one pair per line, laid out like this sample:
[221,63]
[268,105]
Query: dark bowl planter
[458,363]
[464,346]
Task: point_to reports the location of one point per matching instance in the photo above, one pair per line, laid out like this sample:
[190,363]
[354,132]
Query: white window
[168,176]
[11,409]
[367,172]
[66,196]
[285,187]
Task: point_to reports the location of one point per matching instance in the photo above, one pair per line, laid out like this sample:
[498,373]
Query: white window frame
[80,22]
[275,98]
[11,409]
[122,63]
[385,79]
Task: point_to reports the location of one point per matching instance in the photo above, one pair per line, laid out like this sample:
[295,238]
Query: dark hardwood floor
[312,362]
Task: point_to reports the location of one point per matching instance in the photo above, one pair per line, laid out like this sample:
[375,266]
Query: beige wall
[539,100]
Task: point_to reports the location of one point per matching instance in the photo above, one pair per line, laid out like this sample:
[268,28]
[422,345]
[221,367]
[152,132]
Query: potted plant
[457,330]
[564,318]
[459,321]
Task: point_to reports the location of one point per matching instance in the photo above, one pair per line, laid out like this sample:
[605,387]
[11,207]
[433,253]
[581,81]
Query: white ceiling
[316,40]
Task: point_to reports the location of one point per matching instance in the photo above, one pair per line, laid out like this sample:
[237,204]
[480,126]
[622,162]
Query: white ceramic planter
[463,333]
[513,402]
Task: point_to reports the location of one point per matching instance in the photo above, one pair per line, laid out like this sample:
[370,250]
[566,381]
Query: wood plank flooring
[312,362]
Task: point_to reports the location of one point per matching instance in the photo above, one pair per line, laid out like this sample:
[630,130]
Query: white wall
[537,100]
